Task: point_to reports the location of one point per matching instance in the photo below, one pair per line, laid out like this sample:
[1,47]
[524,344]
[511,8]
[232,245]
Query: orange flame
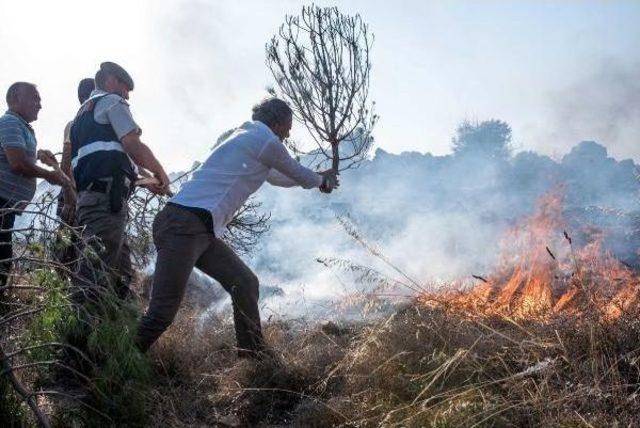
[540,273]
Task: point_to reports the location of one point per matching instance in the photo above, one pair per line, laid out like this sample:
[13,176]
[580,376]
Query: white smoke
[603,106]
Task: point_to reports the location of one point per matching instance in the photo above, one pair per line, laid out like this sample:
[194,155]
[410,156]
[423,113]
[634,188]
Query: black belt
[203,215]
[99,186]
[102,186]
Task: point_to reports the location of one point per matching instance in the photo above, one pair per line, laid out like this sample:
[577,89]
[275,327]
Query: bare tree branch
[23,392]
[320,61]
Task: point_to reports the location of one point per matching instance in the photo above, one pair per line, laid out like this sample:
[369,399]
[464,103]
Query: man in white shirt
[188,231]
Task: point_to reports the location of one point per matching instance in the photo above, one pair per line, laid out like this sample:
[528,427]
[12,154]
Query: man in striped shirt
[18,169]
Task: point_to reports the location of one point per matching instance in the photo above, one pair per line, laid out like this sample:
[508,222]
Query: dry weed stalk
[37,251]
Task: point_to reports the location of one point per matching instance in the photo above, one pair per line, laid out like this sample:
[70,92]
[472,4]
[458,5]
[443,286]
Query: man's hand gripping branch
[329,180]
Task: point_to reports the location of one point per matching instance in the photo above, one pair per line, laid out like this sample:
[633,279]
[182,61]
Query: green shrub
[55,322]
[117,375]
[122,374]
[11,411]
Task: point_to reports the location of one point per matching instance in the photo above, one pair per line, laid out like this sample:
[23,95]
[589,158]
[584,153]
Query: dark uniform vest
[96,150]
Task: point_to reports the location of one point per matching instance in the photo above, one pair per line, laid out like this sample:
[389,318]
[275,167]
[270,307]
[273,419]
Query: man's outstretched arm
[329,180]
[276,178]
[288,172]
[142,155]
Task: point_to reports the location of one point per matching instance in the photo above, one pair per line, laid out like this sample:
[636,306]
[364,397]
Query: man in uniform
[188,231]
[18,169]
[106,154]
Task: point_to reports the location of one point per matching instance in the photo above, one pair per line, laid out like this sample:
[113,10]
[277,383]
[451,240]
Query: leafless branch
[321,63]
[22,391]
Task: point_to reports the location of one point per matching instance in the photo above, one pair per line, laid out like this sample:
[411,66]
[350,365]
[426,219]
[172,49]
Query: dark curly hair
[271,111]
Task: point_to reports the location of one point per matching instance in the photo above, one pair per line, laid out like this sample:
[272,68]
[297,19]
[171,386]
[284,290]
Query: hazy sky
[557,71]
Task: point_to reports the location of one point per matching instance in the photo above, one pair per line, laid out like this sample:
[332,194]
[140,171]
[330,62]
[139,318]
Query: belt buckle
[103,181]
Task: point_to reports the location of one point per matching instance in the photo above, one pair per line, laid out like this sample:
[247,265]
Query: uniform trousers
[110,263]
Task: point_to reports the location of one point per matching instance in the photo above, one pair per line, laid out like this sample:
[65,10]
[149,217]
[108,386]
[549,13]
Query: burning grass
[551,338]
[424,365]
[542,272]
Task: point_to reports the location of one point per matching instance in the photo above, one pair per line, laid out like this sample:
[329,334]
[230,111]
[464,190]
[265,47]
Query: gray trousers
[94,214]
[184,242]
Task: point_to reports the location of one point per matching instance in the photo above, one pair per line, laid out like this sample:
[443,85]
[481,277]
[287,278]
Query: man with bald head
[18,168]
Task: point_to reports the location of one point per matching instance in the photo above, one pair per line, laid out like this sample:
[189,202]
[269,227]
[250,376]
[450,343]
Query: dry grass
[432,366]
[419,367]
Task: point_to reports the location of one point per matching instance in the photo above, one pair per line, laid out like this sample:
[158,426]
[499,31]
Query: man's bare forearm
[145,158]
[65,163]
[23,165]
[65,166]
[30,169]
[141,154]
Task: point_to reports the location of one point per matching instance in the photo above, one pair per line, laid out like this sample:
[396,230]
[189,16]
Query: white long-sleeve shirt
[235,169]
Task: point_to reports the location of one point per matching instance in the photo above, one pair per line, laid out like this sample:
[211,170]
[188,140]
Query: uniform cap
[120,73]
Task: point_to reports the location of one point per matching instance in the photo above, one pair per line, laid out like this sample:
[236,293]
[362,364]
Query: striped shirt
[16,133]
